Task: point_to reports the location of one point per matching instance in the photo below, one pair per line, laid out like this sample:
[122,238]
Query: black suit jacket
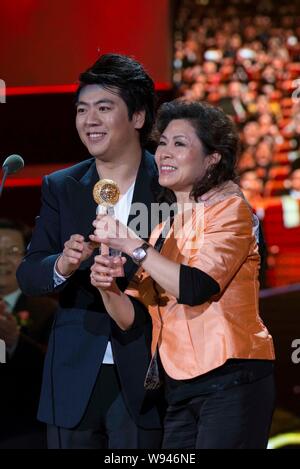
[83,327]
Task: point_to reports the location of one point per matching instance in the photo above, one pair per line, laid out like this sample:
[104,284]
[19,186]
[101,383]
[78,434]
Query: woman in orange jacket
[198,278]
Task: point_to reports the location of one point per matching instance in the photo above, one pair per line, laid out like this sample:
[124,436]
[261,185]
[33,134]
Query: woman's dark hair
[217,134]
[132,83]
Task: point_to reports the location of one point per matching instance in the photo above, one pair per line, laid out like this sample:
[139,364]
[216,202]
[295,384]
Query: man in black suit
[233,103]
[24,327]
[93,394]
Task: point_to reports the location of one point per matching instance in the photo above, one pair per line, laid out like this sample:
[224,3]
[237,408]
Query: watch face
[139,254]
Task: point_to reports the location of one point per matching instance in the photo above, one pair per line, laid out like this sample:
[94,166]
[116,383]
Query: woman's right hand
[104,270]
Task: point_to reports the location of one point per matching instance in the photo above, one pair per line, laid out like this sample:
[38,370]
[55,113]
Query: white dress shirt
[121,210]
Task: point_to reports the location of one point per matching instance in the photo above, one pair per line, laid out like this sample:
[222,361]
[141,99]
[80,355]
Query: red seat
[281,158]
[286,102]
[273,188]
[279,173]
[283,246]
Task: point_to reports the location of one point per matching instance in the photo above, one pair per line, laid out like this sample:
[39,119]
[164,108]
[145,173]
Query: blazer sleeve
[225,241]
[35,273]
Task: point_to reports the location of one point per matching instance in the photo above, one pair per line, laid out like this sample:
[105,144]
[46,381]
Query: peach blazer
[217,237]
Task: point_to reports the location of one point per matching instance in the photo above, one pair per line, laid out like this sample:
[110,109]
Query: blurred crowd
[244,56]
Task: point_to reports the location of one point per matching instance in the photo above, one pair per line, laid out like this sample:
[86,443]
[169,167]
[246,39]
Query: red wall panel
[48,42]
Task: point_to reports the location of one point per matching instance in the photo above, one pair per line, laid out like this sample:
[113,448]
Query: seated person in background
[293,182]
[252,188]
[24,327]
[233,104]
[264,158]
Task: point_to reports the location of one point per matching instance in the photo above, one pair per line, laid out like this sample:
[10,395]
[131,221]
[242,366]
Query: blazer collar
[144,193]
[145,188]
[21,304]
[80,194]
[221,192]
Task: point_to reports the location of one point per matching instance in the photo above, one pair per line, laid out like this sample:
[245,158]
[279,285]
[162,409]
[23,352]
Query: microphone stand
[3,180]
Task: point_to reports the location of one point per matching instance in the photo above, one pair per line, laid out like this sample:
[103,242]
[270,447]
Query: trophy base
[113,255]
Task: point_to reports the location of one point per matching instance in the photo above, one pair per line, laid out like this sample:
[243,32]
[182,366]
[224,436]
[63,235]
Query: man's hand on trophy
[76,251]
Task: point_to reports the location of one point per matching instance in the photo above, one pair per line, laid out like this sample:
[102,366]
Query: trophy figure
[106,194]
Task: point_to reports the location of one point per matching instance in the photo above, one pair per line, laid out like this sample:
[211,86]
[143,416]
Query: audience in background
[247,61]
[293,181]
[24,327]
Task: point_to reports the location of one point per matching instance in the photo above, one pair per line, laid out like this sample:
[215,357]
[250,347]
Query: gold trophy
[106,194]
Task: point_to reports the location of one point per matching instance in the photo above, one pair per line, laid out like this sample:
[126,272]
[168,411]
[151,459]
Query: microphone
[11,165]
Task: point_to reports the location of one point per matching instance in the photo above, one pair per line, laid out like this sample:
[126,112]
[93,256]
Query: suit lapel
[80,193]
[144,193]
[20,305]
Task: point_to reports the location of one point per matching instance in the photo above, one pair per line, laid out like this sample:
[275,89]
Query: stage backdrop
[48,42]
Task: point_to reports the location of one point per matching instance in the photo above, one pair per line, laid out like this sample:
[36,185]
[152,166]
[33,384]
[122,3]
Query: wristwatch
[139,254]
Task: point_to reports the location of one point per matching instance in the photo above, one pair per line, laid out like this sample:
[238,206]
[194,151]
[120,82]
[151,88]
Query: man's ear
[214,158]
[139,119]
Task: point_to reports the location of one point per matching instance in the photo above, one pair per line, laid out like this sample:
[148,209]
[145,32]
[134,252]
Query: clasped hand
[104,270]
[108,231]
[113,233]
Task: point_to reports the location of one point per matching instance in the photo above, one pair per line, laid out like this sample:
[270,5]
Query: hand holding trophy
[106,194]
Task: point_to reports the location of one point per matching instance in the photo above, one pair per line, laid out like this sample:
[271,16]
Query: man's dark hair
[133,85]
[216,132]
[22,228]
